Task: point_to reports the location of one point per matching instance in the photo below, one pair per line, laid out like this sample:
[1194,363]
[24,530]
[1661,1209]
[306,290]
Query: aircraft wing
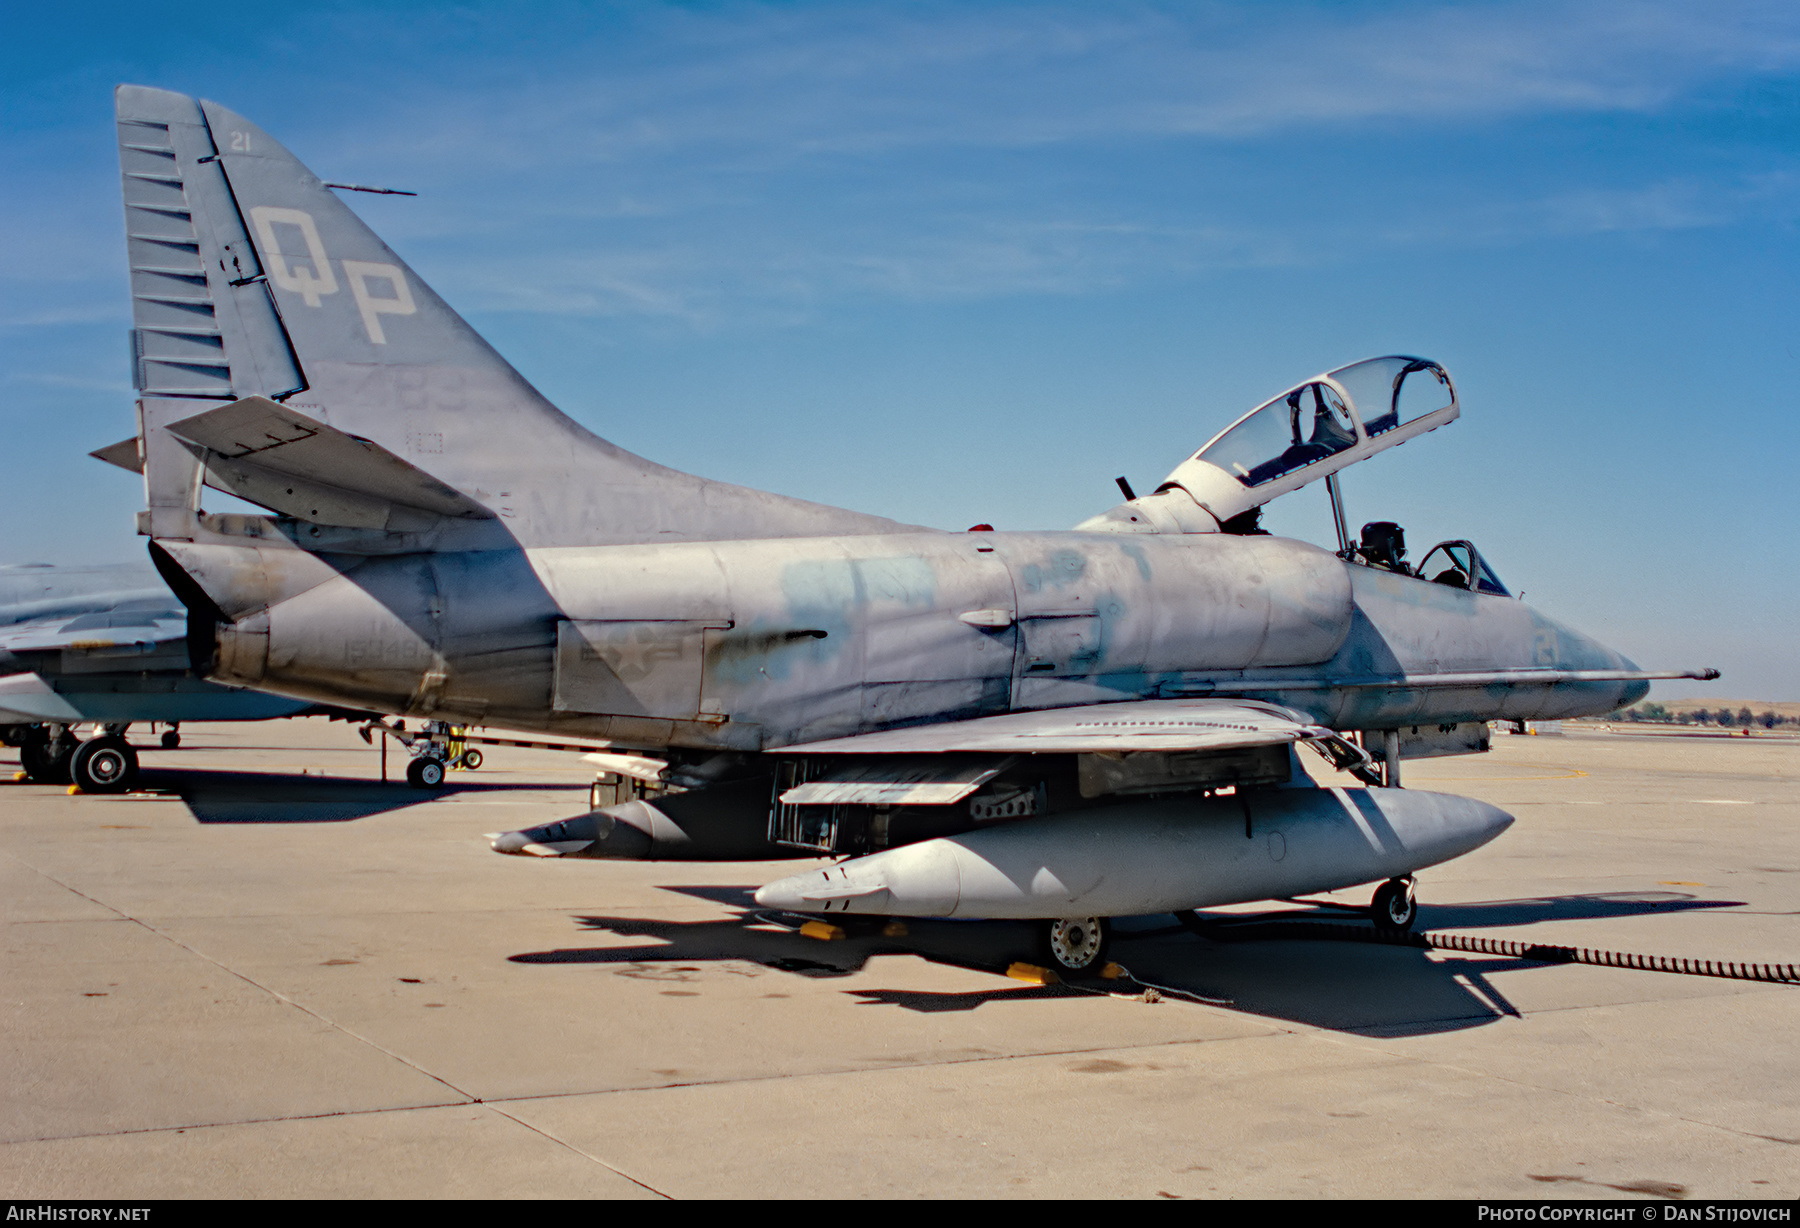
[102,631]
[1136,725]
[27,699]
[942,764]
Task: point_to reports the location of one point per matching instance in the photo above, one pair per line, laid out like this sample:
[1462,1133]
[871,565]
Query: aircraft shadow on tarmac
[1366,988]
[981,946]
[268,797]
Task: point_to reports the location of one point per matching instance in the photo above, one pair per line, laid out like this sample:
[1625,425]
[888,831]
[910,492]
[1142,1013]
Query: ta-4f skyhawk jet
[1061,726]
[103,646]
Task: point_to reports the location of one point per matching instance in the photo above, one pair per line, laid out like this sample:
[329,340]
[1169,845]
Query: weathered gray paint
[452,546]
[520,525]
[798,640]
[1154,856]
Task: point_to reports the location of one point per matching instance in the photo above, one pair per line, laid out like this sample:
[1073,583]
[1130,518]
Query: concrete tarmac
[270,975]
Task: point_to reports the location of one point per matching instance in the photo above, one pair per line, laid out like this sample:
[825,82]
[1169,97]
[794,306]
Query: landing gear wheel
[171,739]
[424,773]
[46,759]
[105,764]
[1393,908]
[1077,945]
[471,760]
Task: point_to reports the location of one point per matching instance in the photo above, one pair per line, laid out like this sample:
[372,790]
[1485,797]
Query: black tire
[1075,946]
[45,761]
[171,740]
[34,757]
[424,773]
[471,759]
[105,764]
[1393,909]
[13,735]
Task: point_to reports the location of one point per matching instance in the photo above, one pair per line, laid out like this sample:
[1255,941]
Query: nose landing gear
[425,772]
[435,750]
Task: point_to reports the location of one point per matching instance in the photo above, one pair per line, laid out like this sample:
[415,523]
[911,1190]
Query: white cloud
[1680,203]
[63,316]
[78,382]
[698,165]
[753,81]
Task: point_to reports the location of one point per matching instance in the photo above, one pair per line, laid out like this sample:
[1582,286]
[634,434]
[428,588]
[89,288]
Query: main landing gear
[45,753]
[105,763]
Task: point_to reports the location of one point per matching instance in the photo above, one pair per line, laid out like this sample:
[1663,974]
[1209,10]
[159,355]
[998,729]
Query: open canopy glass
[1311,431]
[1329,416]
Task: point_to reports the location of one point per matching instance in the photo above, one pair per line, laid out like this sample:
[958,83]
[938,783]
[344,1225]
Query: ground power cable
[1540,952]
[1537,952]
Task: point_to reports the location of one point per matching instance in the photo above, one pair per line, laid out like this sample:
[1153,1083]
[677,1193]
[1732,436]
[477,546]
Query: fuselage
[756,645]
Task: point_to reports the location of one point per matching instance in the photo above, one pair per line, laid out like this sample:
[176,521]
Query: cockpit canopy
[1308,432]
[1327,416]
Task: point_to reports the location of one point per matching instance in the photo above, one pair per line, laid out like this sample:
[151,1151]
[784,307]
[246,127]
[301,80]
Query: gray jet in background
[106,646]
[1057,726]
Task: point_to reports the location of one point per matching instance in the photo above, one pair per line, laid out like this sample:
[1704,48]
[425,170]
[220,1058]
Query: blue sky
[966,262]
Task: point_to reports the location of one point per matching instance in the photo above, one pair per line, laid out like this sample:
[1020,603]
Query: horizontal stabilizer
[281,459]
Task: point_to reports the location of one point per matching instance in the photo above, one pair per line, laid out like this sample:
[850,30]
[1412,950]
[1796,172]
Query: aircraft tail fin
[250,278]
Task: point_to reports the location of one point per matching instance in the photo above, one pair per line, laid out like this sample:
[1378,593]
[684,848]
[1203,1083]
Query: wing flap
[934,781]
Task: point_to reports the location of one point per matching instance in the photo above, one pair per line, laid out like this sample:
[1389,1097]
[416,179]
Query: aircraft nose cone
[915,881]
[511,842]
[784,893]
[1473,823]
[550,840]
[1441,826]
